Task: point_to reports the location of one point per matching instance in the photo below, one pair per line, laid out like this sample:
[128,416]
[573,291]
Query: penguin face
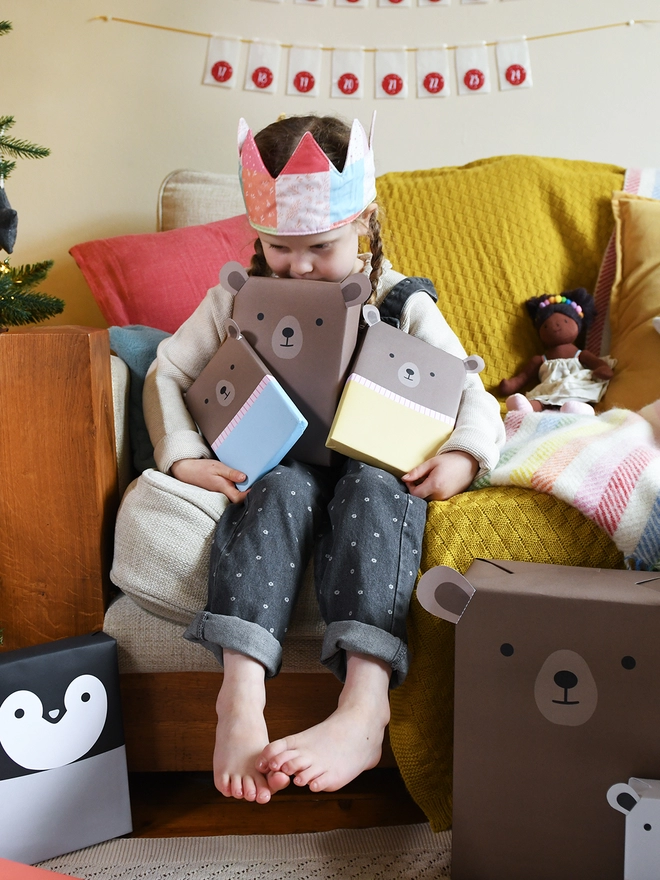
[41,740]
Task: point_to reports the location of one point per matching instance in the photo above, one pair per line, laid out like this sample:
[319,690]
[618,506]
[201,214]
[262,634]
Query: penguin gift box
[63,776]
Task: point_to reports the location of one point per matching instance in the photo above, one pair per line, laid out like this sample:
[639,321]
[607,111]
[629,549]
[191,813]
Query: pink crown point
[307,158]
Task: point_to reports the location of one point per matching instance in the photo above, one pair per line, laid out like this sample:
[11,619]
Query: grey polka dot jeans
[366,533]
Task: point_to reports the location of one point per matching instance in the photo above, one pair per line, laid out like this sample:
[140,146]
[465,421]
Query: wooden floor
[188,805]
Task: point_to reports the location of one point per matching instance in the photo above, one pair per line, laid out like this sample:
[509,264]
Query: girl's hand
[210,474]
[442,476]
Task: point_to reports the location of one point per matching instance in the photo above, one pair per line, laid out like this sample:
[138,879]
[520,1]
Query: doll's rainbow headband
[309,196]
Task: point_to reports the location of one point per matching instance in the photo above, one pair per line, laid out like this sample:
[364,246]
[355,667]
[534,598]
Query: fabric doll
[569,379]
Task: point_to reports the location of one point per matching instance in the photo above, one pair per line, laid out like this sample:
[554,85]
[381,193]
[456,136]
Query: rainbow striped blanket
[607,466]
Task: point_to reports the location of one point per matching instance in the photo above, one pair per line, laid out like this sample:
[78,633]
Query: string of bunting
[303,74]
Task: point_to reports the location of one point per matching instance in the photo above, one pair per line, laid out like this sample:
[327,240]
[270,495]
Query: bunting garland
[391,79]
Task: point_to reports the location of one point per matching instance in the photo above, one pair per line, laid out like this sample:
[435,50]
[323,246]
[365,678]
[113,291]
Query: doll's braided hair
[276,144]
[578,304]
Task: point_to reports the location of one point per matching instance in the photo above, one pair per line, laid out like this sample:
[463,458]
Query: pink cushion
[159,278]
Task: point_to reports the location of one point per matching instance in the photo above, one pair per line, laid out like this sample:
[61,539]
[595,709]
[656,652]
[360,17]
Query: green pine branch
[5,27]
[18,303]
[19,149]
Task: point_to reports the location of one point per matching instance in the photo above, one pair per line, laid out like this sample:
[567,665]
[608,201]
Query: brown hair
[276,144]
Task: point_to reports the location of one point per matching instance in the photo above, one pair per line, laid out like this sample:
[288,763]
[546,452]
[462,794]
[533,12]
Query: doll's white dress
[562,379]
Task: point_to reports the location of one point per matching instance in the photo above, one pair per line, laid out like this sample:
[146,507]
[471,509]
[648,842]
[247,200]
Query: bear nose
[288,332]
[565,679]
[223,391]
[409,372]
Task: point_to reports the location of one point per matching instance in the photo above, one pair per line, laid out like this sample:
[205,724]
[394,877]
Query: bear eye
[232,367]
[432,375]
[391,355]
[319,322]
[206,400]
[628,662]
[19,713]
[506,649]
[647,827]
[85,697]
[260,316]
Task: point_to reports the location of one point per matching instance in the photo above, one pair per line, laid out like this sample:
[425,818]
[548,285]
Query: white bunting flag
[433,2]
[475,1]
[351,3]
[304,71]
[311,2]
[263,67]
[472,71]
[394,2]
[513,64]
[391,73]
[347,73]
[432,73]
[222,59]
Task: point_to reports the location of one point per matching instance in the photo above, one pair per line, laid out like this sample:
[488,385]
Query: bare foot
[241,732]
[329,755]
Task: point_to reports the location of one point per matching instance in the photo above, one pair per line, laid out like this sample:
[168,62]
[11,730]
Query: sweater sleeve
[479,429]
[179,360]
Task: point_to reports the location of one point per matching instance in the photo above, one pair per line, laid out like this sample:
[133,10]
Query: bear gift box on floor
[557,698]
[63,777]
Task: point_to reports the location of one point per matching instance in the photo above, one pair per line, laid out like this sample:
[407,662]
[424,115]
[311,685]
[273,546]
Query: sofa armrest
[121,383]
[59,483]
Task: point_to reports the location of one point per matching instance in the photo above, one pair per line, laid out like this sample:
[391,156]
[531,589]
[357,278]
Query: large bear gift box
[19,871]
[305,332]
[400,402]
[557,698]
[63,776]
[247,418]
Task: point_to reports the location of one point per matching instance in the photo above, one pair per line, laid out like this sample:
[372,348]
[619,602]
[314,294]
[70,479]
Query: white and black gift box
[63,775]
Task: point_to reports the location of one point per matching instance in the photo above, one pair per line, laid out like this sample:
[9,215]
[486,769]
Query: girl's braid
[258,264]
[376,243]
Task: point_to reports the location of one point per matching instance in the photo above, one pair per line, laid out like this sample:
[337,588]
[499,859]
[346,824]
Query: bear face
[412,368]
[557,696]
[225,384]
[305,331]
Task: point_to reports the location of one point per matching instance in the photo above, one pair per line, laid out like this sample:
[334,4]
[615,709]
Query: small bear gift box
[305,332]
[401,399]
[639,801]
[247,418]
[63,776]
[557,696]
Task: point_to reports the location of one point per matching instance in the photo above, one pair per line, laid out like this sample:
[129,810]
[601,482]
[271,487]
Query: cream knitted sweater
[479,429]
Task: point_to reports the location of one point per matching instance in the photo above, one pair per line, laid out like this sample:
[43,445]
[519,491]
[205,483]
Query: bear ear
[622,797]
[473,364]
[233,329]
[371,315]
[233,276]
[445,593]
[356,289]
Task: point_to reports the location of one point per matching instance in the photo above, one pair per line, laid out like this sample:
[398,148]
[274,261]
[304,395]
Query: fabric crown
[310,195]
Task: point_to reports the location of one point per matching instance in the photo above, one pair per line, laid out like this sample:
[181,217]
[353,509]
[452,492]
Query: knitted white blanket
[606,466]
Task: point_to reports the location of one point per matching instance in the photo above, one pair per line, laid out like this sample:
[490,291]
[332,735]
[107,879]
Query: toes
[270,755]
[223,784]
[290,763]
[277,781]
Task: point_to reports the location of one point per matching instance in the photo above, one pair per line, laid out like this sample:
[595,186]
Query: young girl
[364,525]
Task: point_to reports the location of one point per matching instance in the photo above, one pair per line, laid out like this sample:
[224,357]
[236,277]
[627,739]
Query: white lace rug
[390,853]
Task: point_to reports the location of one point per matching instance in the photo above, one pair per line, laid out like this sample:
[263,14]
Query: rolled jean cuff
[218,631]
[362,638]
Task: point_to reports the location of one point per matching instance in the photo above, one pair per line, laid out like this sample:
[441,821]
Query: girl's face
[328,256]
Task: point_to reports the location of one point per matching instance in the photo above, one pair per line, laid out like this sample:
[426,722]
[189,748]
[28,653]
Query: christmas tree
[19,303]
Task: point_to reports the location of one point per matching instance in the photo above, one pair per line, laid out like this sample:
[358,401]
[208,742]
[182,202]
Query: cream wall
[120,106]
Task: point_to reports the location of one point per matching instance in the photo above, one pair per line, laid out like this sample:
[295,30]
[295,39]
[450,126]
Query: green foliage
[19,304]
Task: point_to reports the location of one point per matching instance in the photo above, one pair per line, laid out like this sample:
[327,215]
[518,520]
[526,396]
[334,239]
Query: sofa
[489,234]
